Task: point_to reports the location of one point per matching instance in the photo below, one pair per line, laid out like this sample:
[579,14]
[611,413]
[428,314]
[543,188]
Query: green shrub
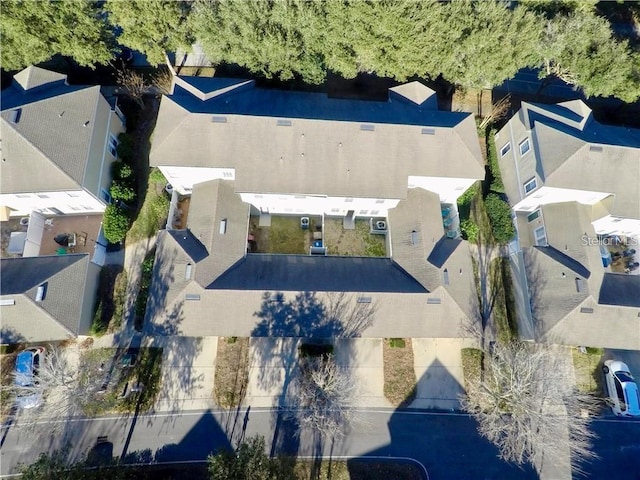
[396,342]
[469,230]
[121,170]
[125,148]
[494,167]
[464,202]
[121,191]
[156,176]
[471,363]
[115,224]
[499,213]
[145,285]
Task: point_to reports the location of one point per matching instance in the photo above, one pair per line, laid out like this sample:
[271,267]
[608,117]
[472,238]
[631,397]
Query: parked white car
[622,390]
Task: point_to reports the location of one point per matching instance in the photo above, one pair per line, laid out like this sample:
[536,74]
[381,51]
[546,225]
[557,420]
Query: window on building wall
[335,210]
[524,146]
[532,216]
[375,212]
[504,150]
[362,212]
[348,200]
[540,235]
[227,174]
[113,145]
[380,200]
[105,195]
[530,186]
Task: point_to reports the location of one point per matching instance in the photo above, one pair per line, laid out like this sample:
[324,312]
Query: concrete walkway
[438,367]
[188,371]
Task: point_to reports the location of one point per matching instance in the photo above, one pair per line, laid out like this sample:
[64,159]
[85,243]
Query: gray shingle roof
[317,273]
[323,151]
[574,151]
[34,77]
[64,278]
[574,300]
[45,141]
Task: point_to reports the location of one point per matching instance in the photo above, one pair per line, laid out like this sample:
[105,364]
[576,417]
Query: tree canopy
[580,49]
[273,38]
[477,44]
[152,27]
[33,31]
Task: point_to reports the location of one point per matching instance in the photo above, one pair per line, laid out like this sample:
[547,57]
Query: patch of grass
[146,373]
[506,326]
[478,212]
[399,375]
[471,363]
[397,342]
[7,365]
[112,289]
[286,236]
[232,372]
[358,242]
[143,293]
[588,369]
[154,211]
[495,178]
[509,296]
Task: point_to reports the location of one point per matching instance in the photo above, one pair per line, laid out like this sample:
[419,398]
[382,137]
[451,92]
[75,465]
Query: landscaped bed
[358,242]
[587,364]
[128,385]
[399,373]
[232,371]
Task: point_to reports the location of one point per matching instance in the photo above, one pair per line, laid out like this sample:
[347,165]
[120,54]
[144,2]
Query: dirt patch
[358,242]
[400,385]
[587,364]
[7,364]
[232,371]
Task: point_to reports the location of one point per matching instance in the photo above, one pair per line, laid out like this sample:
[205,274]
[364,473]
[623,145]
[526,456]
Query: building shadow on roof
[536,283]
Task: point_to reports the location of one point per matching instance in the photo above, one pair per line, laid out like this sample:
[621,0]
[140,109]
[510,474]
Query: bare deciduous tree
[498,111]
[65,387]
[527,405]
[134,85]
[325,393]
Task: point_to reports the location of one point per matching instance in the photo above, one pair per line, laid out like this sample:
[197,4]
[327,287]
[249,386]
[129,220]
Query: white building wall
[69,202]
[318,205]
[546,195]
[449,189]
[183,178]
[617,226]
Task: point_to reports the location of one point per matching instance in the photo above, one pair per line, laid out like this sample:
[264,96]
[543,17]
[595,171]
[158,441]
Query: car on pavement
[622,390]
[26,381]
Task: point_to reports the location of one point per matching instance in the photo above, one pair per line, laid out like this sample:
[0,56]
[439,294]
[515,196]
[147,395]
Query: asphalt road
[446,444]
